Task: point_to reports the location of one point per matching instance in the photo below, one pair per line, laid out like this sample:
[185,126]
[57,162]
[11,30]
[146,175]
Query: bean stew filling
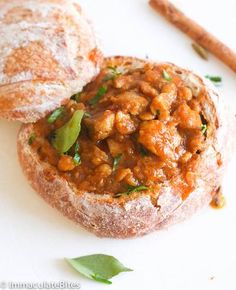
[128,133]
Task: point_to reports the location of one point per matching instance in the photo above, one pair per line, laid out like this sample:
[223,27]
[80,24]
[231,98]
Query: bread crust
[48,52]
[137,216]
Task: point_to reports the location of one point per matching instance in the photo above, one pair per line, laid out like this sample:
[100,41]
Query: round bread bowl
[135,215]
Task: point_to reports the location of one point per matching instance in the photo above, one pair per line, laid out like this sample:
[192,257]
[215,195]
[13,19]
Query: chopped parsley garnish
[204,128]
[76,97]
[87,115]
[77,158]
[101,92]
[143,151]
[56,114]
[202,52]
[216,80]
[113,73]
[131,189]
[31,138]
[166,76]
[116,161]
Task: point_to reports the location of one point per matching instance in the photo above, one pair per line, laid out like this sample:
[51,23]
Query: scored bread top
[48,52]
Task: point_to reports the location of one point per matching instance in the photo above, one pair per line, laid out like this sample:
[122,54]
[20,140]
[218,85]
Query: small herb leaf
[113,73]
[77,158]
[76,97]
[216,80]
[55,115]
[202,52]
[87,115]
[102,90]
[166,76]
[31,138]
[116,161]
[66,136]
[98,267]
[204,128]
[131,189]
[102,280]
[143,151]
[109,77]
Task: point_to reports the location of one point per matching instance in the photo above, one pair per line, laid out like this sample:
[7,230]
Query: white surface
[34,237]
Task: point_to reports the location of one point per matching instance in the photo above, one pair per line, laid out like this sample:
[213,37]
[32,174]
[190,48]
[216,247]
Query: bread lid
[48,52]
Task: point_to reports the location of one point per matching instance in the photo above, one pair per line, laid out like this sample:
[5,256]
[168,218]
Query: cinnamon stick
[196,32]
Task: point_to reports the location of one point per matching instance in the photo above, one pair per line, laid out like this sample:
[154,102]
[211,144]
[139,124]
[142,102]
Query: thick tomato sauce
[143,127]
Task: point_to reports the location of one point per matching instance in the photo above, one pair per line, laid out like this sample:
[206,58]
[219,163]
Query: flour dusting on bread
[138,214]
[45,41]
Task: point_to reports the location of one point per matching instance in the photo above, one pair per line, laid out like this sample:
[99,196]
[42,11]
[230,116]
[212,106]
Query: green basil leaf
[166,76]
[87,115]
[204,128]
[102,280]
[31,138]
[216,80]
[66,136]
[56,114]
[143,152]
[76,97]
[99,95]
[109,77]
[131,189]
[98,267]
[77,159]
[76,146]
[202,52]
[116,161]
[114,70]
[113,74]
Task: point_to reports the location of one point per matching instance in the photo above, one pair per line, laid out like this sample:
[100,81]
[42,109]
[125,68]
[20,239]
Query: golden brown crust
[48,52]
[137,216]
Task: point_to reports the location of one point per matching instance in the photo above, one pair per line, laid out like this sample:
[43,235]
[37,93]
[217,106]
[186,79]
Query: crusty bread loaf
[136,216]
[48,52]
